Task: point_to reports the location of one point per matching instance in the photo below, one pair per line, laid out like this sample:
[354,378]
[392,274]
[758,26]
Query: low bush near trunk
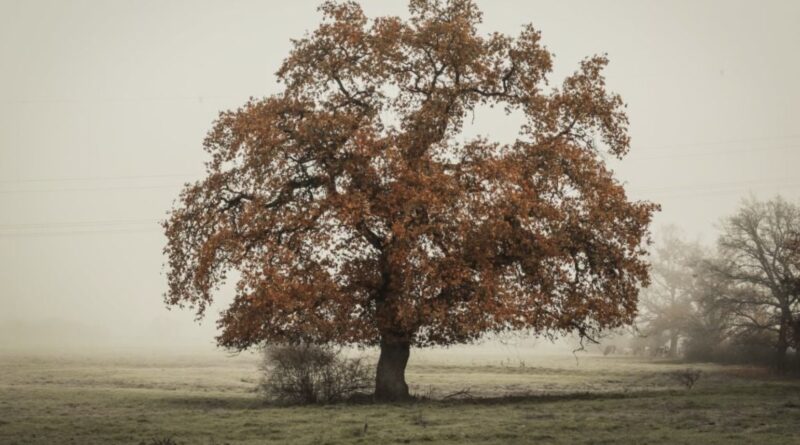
[307,374]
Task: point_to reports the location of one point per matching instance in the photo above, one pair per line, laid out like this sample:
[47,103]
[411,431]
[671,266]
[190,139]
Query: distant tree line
[737,302]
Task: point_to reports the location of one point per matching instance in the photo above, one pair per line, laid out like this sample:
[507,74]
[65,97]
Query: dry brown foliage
[351,212]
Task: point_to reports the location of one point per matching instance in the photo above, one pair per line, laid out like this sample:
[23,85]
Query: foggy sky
[104,104]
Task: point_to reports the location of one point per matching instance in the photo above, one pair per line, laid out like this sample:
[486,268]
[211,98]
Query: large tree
[759,256]
[353,214]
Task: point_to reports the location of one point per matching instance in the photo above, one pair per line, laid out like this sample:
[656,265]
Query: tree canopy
[352,213]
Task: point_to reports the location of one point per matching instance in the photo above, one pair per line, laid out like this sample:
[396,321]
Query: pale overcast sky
[104,104]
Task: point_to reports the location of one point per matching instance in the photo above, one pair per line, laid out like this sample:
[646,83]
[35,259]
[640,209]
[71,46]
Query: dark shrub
[306,374]
[687,377]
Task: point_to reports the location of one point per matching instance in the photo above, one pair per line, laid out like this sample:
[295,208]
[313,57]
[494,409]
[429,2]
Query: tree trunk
[796,344]
[390,380]
[782,346]
[673,344]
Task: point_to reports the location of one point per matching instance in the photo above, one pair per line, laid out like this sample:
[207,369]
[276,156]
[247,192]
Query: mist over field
[112,235]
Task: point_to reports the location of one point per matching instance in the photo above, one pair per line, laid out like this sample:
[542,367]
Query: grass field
[551,399]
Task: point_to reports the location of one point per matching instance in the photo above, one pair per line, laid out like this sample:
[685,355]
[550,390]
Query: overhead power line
[722,142]
[50,224]
[784,181]
[710,153]
[127,226]
[92,189]
[74,232]
[94,178]
[60,228]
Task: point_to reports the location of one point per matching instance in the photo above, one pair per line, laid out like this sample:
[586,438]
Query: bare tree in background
[759,259]
[666,305]
[710,325]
